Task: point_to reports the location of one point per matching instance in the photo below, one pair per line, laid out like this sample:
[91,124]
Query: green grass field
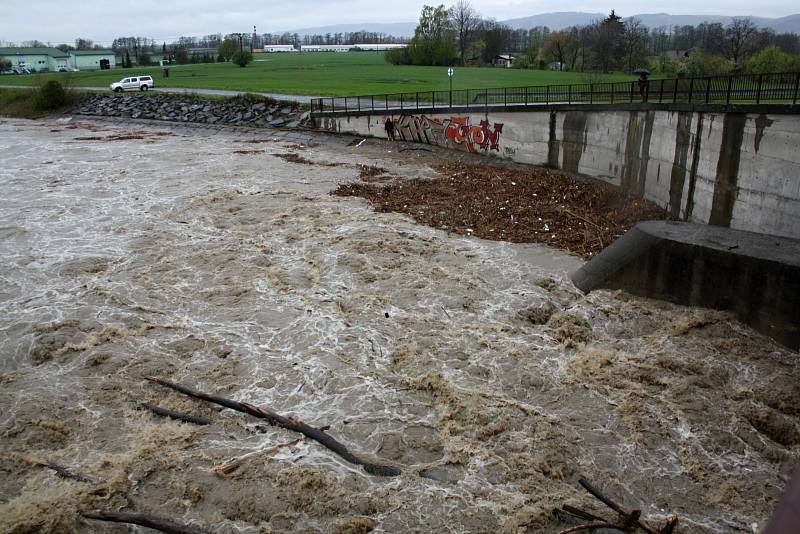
[324,74]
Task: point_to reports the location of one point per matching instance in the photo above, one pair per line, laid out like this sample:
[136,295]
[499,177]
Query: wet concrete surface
[197,255]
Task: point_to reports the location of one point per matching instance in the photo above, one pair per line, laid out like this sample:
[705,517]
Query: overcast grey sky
[60,21]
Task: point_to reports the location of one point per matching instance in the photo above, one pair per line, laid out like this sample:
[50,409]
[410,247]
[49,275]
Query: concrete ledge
[755,276]
[775,109]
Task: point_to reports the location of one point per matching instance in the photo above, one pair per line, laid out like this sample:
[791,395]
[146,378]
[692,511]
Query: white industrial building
[278,48]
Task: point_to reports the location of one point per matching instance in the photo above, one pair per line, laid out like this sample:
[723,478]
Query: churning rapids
[132,249]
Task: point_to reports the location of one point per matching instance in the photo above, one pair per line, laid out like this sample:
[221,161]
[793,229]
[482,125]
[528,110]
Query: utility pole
[253,42]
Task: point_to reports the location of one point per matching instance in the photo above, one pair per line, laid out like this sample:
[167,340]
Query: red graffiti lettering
[456,132]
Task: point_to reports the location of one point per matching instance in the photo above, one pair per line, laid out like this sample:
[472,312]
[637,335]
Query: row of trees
[459,35]
[80,44]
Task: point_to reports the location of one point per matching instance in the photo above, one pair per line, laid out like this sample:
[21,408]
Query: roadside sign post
[450,73]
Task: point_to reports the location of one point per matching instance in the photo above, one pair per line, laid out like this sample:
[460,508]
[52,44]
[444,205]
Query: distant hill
[565,19]
[555,21]
[558,21]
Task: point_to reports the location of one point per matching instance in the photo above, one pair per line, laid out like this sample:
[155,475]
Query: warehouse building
[47,59]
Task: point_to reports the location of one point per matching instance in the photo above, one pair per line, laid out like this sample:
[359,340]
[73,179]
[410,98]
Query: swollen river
[198,256]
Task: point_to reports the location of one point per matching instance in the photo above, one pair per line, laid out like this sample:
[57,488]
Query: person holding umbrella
[644,83]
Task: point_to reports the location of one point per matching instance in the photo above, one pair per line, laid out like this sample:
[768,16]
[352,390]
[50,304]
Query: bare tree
[465,21]
[83,44]
[635,43]
[739,37]
[556,45]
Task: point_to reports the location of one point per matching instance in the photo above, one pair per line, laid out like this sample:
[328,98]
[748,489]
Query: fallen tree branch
[289,423]
[60,470]
[149,521]
[158,410]
[591,526]
[627,520]
[230,467]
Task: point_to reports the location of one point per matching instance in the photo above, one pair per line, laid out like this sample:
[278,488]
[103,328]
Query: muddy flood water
[133,250]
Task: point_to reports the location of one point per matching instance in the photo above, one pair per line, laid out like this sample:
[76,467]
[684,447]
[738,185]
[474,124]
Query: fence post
[505,97]
[796,85]
[613,89]
[433,99]
[526,95]
[758,91]
[358,104]
[661,91]
[417,95]
[401,101]
[373,103]
[345,104]
[728,92]
[569,94]
[591,93]
[547,95]
[486,100]
[708,88]
[691,89]
[631,93]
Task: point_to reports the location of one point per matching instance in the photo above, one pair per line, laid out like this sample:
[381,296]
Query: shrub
[50,96]
[398,56]
[242,58]
[772,59]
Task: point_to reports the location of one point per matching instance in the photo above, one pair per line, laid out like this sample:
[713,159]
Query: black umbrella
[642,71]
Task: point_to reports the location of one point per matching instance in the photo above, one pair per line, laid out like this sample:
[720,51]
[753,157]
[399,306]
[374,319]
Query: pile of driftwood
[626,521]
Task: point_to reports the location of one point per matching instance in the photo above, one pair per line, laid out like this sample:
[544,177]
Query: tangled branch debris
[289,423]
[149,521]
[517,205]
[293,157]
[627,520]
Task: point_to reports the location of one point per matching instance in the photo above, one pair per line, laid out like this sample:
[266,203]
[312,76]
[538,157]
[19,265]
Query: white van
[134,83]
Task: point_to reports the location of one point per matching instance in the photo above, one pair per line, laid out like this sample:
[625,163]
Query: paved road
[180,90]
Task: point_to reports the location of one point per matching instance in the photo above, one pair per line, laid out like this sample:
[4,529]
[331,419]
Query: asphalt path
[302,99]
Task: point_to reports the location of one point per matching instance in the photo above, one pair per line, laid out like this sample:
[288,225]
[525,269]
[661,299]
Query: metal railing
[778,88]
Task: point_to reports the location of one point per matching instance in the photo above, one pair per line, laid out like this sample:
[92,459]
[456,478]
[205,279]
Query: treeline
[345,38]
[80,44]
[460,36]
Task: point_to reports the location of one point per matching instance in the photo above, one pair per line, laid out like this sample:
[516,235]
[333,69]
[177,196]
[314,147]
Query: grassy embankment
[323,74]
[35,103]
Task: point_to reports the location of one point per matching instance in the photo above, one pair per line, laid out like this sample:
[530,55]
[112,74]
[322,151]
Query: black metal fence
[779,88]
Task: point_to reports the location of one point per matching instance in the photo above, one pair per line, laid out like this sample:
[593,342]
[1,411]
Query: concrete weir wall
[733,167]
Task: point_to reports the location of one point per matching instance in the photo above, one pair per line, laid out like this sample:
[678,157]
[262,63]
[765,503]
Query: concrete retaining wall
[755,276]
[737,169]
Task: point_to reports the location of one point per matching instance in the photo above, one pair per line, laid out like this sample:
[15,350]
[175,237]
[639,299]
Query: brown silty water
[473,363]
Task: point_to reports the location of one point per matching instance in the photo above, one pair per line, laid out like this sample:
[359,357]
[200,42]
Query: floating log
[144,520]
[186,418]
[230,467]
[289,423]
[60,470]
[593,526]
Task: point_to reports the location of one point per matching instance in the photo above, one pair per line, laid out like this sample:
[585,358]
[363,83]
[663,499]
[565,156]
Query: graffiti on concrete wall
[455,132]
